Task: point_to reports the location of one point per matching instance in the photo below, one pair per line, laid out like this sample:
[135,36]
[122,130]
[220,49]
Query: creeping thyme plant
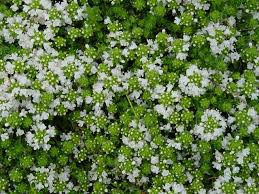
[129,96]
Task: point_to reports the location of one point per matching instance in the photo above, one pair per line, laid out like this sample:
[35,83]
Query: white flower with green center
[42,177]
[195,82]
[40,137]
[212,125]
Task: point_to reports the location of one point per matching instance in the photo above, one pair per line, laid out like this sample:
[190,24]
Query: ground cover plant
[129,96]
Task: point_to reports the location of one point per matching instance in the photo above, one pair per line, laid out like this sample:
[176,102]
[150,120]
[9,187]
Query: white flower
[4,136]
[250,181]
[154,159]
[107,20]
[25,41]
[178,188]
[177,20]
[19,132]
[165,173]
[155,169]
[14,7]
[181,56]
[46,4]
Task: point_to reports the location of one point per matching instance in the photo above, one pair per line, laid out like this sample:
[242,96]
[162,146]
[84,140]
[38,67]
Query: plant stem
[131,105]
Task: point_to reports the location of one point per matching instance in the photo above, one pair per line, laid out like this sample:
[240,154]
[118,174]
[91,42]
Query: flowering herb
[117,96]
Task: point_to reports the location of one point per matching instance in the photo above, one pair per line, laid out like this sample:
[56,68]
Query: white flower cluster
[222,39]
[39,136]
[212,125]
[195,81]
[51,179]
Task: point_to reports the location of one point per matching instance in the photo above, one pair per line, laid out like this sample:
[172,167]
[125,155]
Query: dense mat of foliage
[129,96]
